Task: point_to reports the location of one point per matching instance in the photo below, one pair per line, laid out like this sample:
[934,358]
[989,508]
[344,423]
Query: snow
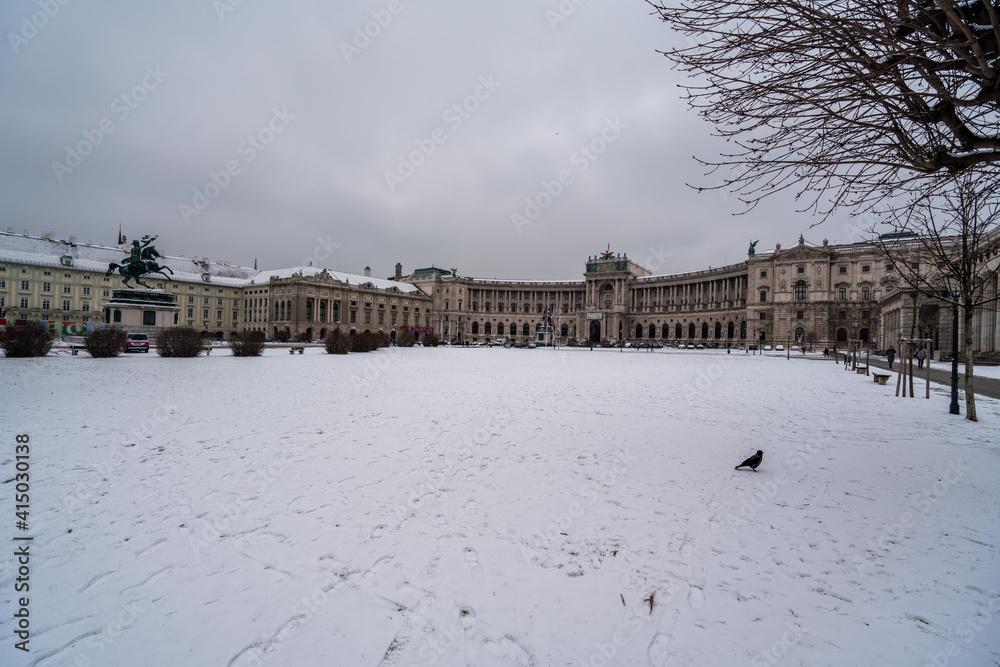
[479,506]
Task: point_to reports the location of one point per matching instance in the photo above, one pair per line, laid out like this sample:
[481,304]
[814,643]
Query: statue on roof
[607,254]
[141,260]
[753,247]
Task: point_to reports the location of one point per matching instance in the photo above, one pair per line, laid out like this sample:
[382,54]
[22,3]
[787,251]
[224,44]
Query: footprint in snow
[659,650]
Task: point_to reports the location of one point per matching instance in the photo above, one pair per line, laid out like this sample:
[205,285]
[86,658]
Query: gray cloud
[324,174]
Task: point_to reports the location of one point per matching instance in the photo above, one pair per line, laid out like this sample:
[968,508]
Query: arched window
[691,331]
[500,329]
[525,330]
[704,329]
[564,331]
[487,328]
[665,332]
[679,331]
[652,331]
[730,330]
[475,328]
[800,290]
[841,335]
[800,334]
[718,330]
[743,329]
[638,331]
[863,335]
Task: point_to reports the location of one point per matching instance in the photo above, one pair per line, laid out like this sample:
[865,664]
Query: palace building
[819,296]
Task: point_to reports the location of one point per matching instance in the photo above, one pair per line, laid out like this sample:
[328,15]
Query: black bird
[753,461]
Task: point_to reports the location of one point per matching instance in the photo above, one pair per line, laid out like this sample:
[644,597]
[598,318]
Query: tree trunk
[970,394]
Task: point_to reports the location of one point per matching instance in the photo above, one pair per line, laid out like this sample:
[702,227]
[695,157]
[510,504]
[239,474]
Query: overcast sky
[366,133]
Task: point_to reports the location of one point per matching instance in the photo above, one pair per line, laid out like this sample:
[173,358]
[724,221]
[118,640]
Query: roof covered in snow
[39,251]
[348,278]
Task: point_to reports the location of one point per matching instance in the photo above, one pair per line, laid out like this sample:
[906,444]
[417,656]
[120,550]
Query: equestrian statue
[141,260]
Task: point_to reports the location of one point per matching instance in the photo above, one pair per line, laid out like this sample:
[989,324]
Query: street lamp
[952,284]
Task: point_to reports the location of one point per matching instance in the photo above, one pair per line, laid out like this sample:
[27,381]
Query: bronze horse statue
[141,261]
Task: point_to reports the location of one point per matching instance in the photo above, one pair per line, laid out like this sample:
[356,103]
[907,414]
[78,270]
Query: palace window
[66,305]
[67,289]
[843,269]
[865,268]
[46,287]
[204,314]
[24,302]
[46,304]
[800,290]
[800,269]
[763,296]
[86,291]
[800,314]
[890,267]
[865,315]
[763,273]
[865,293]
[763,316]
[842,315]
[190,312]
[842,294]
[86,306]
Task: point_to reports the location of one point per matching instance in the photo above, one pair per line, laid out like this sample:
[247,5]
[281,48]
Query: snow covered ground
[496,507]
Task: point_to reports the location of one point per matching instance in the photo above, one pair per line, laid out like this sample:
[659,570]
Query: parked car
[779,348]
[767,347]
[699,346]
[136,341]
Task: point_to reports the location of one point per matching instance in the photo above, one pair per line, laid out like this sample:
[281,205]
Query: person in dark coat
[890,354]
[921,355]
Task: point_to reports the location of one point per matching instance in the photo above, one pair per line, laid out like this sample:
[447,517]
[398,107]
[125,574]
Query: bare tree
[956,235]
[848,103]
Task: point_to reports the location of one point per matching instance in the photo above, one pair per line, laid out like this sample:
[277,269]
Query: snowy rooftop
[47,252]
[379,283]
[39,251]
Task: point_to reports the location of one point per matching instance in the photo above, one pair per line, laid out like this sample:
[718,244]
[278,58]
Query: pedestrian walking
[890,354]
[921,355]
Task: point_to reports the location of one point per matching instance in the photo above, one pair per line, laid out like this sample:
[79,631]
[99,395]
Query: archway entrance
[595,331]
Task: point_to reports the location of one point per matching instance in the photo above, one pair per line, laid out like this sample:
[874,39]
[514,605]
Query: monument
[137,309]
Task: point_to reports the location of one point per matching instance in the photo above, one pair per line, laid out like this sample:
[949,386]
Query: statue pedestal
[141,309]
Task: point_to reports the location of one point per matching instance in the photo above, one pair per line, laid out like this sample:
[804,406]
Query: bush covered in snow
[431,340]
[406,339]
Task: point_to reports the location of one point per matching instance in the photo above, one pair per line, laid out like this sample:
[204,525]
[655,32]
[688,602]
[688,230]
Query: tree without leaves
[846,103]
[957,234]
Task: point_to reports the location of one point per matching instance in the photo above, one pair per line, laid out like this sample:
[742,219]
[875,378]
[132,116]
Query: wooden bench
[881,379]
[300,349]
[862,370]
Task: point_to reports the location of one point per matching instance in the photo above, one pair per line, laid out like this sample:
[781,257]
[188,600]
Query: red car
[136,342]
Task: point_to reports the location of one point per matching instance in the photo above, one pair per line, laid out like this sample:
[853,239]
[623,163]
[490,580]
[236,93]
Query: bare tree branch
[845,103]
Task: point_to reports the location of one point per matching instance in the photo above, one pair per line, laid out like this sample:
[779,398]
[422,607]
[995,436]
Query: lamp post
[788,345]
[952,294]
